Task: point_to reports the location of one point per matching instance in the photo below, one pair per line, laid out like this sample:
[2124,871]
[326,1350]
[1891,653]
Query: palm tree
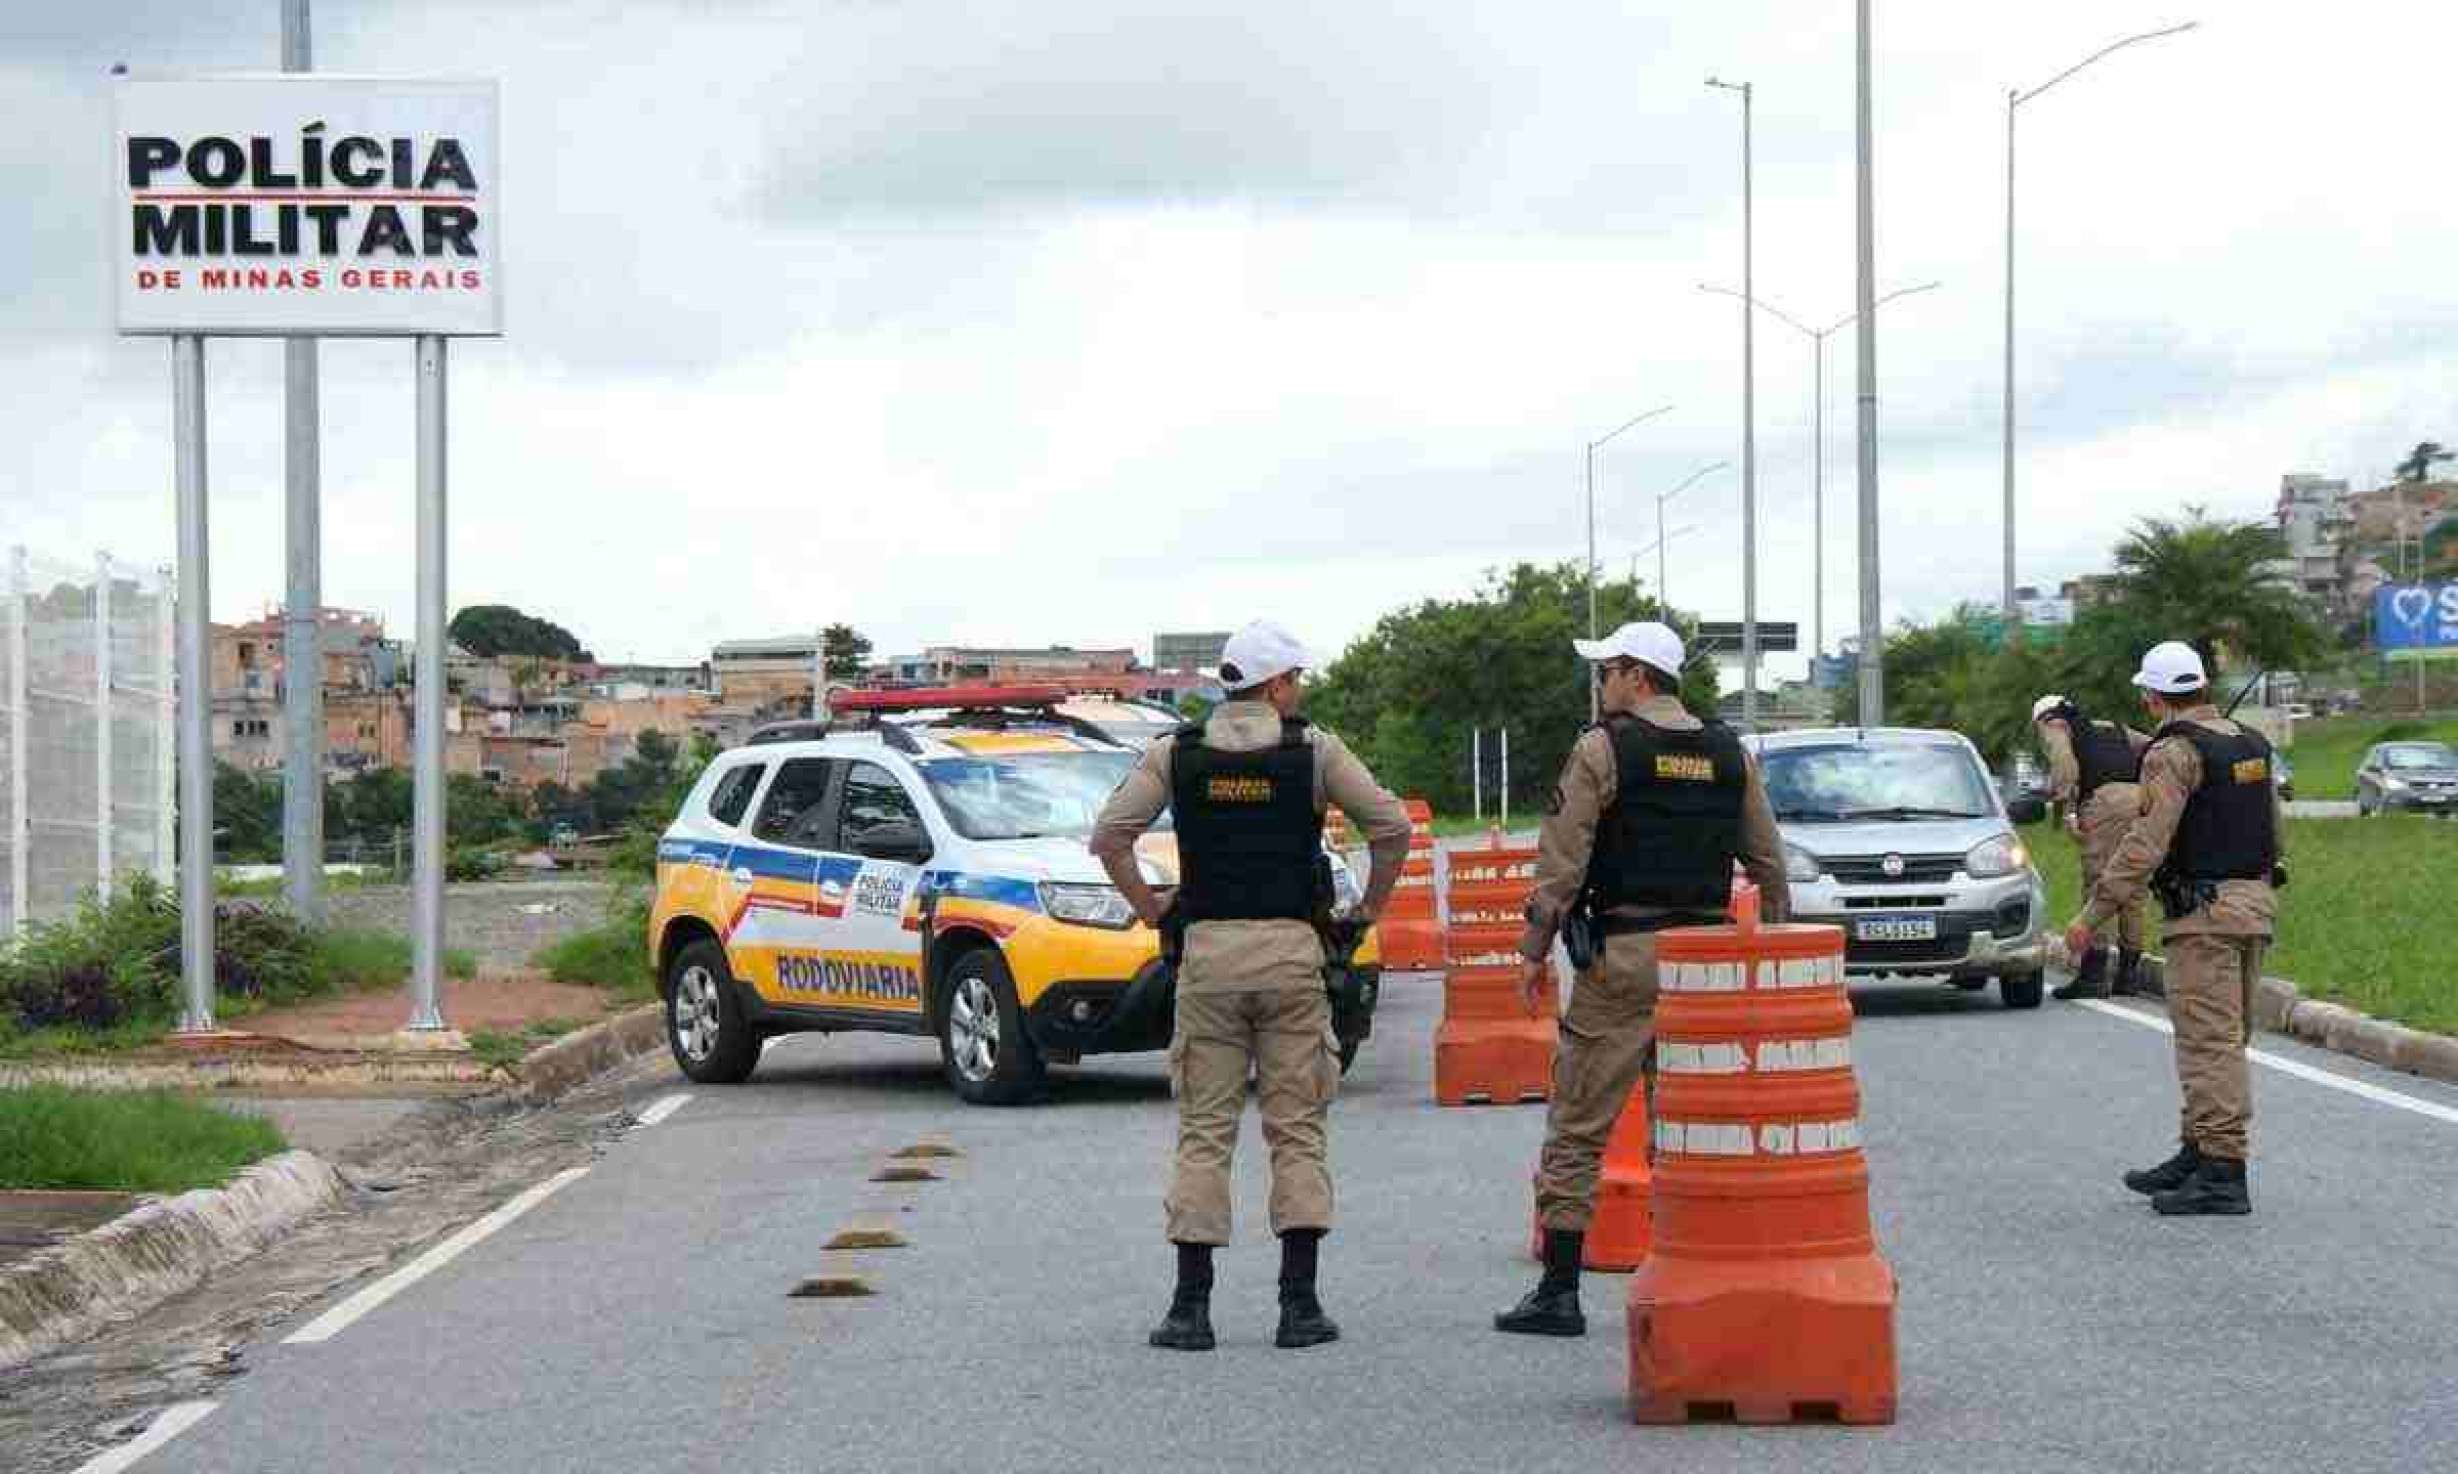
[2216,584]
[2417,467]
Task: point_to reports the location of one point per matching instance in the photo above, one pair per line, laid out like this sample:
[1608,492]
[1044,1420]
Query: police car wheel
[982,1044]
[711,1040]
[2021,989]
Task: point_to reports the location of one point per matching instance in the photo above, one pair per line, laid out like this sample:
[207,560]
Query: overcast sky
[1060,321]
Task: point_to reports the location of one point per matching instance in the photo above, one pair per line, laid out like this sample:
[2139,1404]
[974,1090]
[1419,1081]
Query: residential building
[942,665]
[1189,652]
[757,673]
[2315,520]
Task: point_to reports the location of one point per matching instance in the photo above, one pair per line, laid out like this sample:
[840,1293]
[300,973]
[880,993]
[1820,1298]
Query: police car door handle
[743,874]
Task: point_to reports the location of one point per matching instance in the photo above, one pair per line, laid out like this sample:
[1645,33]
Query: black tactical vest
[2104,754]
[2228,831]
[1249,835]
[1675,825]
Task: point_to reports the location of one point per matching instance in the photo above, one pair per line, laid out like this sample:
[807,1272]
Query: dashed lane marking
[168,1424]
[2362,1089]
[663,1107]
[338,1319]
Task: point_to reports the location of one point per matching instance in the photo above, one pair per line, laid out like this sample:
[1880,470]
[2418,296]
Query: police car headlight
[1088,905]
[1800,864]
[1992,858]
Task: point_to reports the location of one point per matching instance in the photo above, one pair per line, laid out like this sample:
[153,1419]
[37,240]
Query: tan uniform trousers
[1251,1004]
[2210,999]
[1608,1040]
[2111,811]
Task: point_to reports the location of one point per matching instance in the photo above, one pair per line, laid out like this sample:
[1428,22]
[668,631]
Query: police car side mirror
[2028,809]
[905,843]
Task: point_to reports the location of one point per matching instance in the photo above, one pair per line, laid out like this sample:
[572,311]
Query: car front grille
[1871,869]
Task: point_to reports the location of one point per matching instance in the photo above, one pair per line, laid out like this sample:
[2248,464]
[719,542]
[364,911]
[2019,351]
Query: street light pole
[1662,499]
[1749,433]
[1595,696]
[1817,338]
[1873,634]
[2015,98]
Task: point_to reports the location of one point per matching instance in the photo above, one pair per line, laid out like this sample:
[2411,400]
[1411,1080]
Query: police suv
[916,865]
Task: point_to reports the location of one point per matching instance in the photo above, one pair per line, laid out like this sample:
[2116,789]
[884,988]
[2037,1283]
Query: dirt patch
[505,1003]
[503,923]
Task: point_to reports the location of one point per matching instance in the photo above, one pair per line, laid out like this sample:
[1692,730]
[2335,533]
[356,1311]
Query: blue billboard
[2416,616]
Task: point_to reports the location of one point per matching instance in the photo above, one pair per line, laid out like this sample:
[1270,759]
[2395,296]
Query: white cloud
[1073,322]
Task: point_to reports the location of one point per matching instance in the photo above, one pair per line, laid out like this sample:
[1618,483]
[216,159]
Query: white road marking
[663,1107]
[168,1424]
[338,1319]
[2362,1089]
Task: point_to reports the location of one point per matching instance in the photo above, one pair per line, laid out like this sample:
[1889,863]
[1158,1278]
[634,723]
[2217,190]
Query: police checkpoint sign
[307,204]
[2417,617]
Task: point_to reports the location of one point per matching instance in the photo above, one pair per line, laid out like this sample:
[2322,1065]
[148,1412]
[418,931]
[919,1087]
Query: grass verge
[2359,922]
[144,1141]
[499,1047]
[2327,749]
[613,955]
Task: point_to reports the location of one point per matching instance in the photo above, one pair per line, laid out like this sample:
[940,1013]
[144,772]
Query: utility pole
[1873,632]
[1594,692]
[1749,433]
[303,596]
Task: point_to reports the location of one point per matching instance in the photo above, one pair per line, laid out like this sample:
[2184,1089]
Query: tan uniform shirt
[2171,772]
[1227,956]
[1590,781]
[2112,800]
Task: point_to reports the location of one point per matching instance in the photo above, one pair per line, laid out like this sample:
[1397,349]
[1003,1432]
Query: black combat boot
[1302,1321]
[2090,979]
[2128,979]
[1188,1326]
[2168,1175]
[2217,1186]
[1552,1308]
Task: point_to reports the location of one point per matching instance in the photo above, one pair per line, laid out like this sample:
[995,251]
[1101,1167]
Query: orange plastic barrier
[1411,926]
[1619,1231]
[1489,1048]
[1764,1298]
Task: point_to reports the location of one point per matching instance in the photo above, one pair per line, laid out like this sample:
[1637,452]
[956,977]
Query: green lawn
[148,1141]
[2360,923]
[2327,749]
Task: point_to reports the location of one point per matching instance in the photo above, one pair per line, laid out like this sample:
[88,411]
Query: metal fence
[85,731]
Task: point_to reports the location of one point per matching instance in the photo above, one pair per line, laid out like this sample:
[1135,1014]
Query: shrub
[614,954]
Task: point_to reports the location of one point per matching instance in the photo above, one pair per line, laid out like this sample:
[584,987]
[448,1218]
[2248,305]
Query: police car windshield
[1033,795]
[1853,782]
[2419,755]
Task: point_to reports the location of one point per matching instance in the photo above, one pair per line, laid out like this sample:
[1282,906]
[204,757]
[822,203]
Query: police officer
[1652,809]
[2095,771]
[1248,788]
[2207,844]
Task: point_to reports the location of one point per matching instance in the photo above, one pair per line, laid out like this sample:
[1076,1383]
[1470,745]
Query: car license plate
[1895,929]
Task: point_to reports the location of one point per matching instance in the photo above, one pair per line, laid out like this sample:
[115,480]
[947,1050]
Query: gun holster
[1173,934]
[1580,937]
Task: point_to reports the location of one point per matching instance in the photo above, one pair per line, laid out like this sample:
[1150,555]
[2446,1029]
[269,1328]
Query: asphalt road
[638,1318]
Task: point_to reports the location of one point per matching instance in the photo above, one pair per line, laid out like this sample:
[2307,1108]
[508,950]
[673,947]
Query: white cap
[1259,652]
[2171,669]
[2045,705]
[1644,641]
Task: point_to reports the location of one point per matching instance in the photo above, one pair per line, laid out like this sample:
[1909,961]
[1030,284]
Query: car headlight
[1992,858]
[1800,864]
[1088,905]
[2394,785]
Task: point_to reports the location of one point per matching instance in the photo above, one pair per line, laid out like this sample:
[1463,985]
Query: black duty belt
[1623,926]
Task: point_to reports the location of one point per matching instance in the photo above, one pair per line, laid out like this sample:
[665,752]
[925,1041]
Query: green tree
[247,810]
[848,651]
[1410,692]
[489,630]
[369,806]
[2213,583]
[2417,467]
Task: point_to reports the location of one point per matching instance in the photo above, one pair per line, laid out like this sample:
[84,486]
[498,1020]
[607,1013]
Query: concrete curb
[555,1068]
[2280,1007]
[159,1249]
[244,1073]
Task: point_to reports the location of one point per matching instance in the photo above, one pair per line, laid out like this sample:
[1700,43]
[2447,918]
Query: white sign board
[312,204]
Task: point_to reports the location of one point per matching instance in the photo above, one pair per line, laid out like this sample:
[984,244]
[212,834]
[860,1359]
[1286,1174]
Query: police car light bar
[932,698]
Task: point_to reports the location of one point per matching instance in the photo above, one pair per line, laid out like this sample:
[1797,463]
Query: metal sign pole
[102,724]
[20,868]
[1504,785]
[166,722]
[302,636]
[1476,772]
[427,802]
[195,690]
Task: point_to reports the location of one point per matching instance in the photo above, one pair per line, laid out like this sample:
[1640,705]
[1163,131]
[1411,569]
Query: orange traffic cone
[1763,1297]
[1617,1232]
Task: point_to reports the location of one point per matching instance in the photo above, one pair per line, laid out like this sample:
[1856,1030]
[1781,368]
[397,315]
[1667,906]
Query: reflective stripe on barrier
[1772,1139]
[1774,1056]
